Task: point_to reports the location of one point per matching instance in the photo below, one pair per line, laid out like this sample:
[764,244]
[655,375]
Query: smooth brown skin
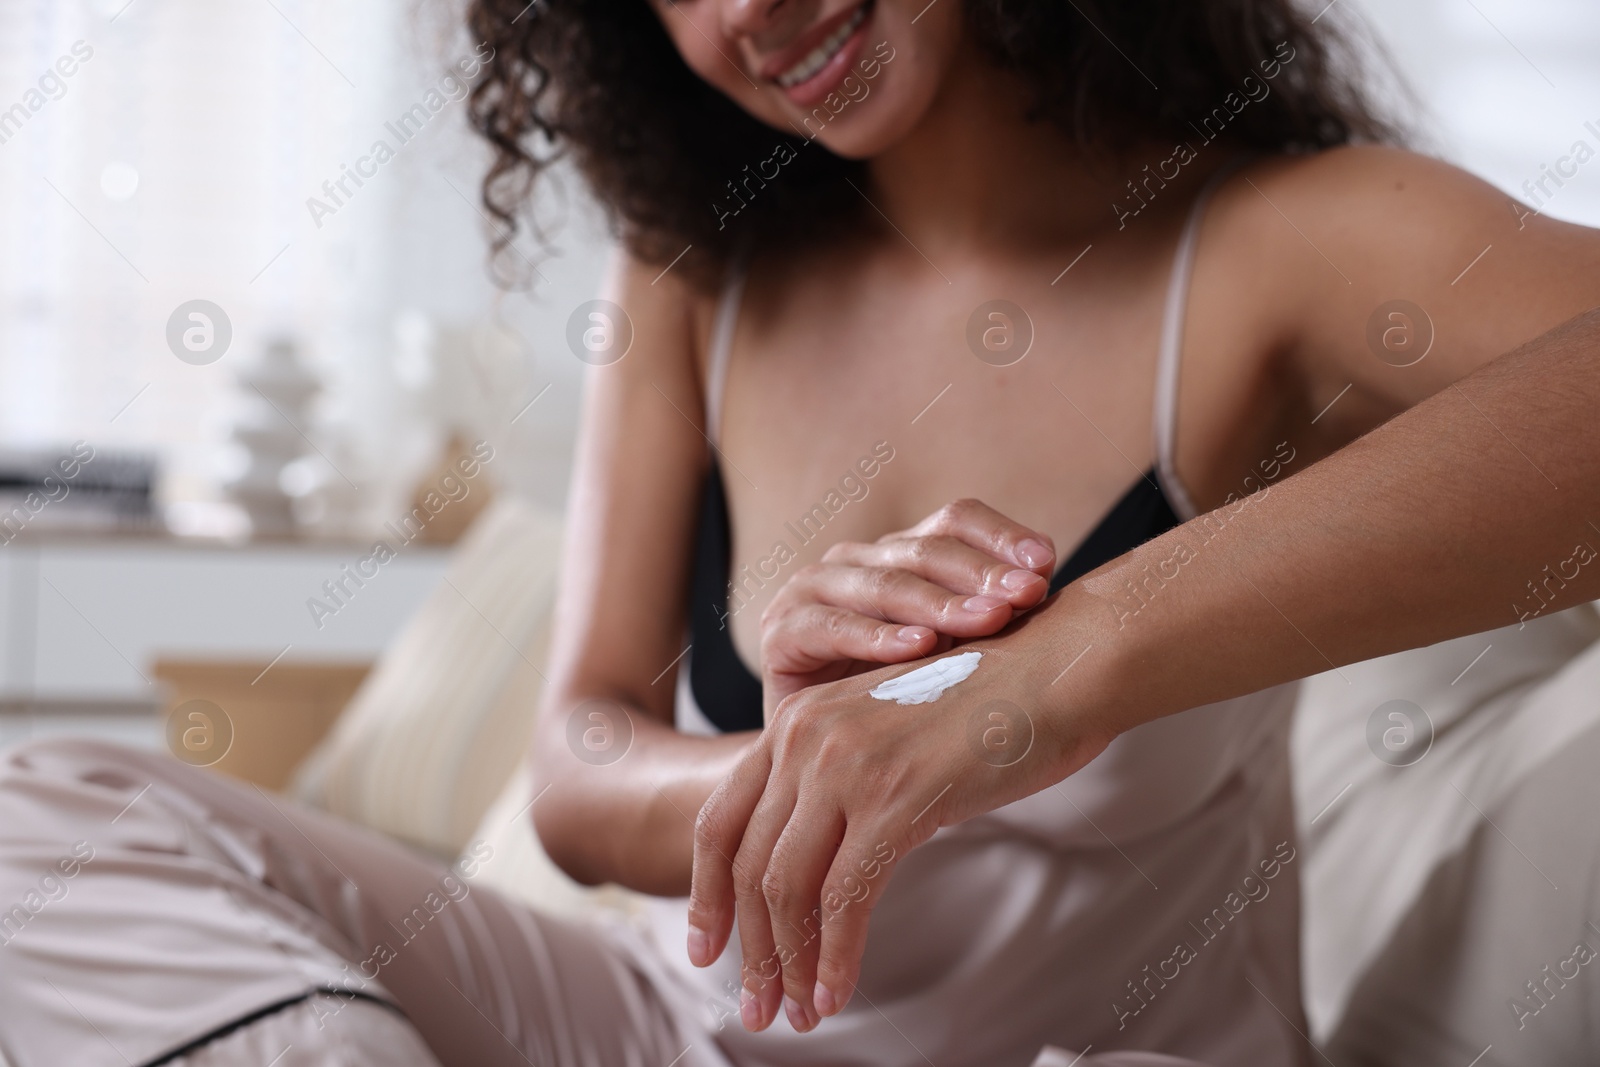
[963,572]
[1426,529]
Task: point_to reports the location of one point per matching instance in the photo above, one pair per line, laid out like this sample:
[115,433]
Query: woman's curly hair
[601,80]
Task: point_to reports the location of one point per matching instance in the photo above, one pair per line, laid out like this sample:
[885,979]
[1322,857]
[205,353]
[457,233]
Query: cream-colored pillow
[434,733]
[518,867]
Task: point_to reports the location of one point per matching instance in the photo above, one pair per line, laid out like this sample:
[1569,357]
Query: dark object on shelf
[77,488]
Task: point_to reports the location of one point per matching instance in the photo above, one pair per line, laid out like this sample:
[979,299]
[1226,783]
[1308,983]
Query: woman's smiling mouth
[808,77]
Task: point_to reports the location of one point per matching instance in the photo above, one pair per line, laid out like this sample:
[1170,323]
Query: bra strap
[722,343]
[1170,356]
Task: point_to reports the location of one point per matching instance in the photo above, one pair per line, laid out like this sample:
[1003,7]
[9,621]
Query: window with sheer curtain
[157,152]
[172,165]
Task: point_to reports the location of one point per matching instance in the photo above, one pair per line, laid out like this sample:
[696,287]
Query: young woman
[926,310]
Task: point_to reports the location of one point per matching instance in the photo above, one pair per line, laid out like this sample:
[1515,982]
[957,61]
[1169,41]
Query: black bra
[730,696]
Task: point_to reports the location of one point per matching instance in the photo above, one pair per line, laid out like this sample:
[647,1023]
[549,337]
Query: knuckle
[834,900]
[778,890]
[779,608]
[947,547]
[989,577]
[708,833]
[772,619]
[836,753]
[792,708]
[967,508]
[839,551]
[777,650]
[836,624]
[921,551]
[881,581]
[791,726]
[834,972]
[809,574]
[747,877]
[883,635]
[949,515]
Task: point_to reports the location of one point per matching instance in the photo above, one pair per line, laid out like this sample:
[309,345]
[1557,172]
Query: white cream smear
[927,684]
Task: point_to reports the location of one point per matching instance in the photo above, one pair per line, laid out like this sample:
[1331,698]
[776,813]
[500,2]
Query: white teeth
[819,56]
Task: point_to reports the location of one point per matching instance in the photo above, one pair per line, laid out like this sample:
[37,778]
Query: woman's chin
[879,124]
[859,144]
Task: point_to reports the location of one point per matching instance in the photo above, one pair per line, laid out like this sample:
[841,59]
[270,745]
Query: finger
[861,868]
[813,636]
[982,527]
[950,563]
[800,863]
[718,833]
[761,967]
[896,595]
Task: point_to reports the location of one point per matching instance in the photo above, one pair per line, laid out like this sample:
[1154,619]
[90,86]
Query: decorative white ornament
[277,392]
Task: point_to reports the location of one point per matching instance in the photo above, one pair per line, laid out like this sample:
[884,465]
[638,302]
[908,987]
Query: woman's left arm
[1424,529]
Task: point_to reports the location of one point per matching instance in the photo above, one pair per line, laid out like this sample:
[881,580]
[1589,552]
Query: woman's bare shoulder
[1371,204]
[666,308]
[1319,247]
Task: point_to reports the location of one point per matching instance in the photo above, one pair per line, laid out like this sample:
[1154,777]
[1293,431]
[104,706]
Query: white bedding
[1435,891]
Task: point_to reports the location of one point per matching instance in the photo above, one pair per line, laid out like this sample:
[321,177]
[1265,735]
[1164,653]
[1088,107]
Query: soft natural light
[196,151]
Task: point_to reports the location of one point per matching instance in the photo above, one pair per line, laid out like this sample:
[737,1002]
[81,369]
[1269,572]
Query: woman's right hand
[964,572]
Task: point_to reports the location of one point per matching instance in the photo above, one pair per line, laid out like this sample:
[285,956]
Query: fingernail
[1034,553]
[913,634]
[699,947]
[749,1011]
[1018,580]
[981,604]
[824,1001]
[797,1017]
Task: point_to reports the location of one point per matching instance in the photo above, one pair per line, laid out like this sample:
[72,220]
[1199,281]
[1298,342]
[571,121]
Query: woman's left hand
[962,573]
[801,839]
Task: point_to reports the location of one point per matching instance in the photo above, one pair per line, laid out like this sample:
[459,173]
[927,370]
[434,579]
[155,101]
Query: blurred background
[282,466]
[268,367]
[163,152]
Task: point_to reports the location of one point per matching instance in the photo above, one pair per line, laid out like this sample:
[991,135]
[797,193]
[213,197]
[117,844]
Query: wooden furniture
[271,714]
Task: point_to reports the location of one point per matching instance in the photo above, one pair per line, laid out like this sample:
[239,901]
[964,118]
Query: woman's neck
[977,175]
